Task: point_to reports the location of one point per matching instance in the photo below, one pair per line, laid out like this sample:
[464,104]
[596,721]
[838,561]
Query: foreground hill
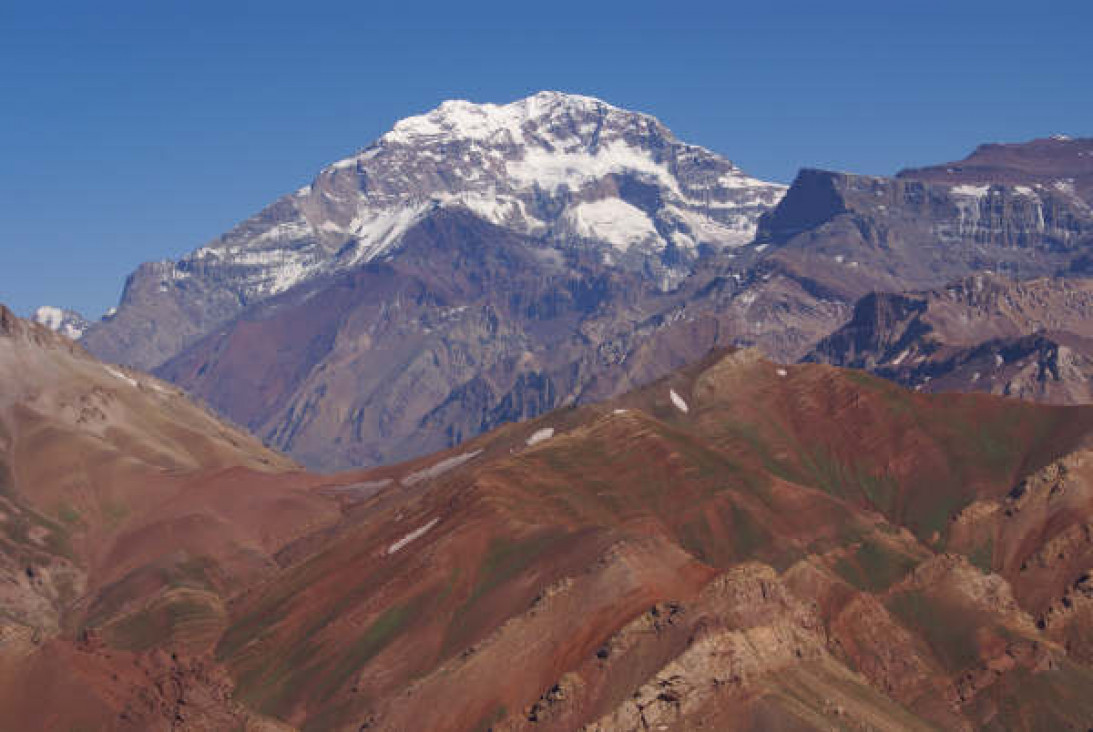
[739,545]
[117,493]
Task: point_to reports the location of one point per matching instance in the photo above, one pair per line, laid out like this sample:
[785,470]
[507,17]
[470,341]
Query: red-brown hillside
[740,545]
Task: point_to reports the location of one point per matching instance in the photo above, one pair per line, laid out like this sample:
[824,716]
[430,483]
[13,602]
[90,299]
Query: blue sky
[138,131]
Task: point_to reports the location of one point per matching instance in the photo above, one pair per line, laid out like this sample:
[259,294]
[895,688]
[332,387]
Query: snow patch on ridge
[378,232]
[540,435]
[439,468]
[119,375]
[677,400]
[412,536]
[970,191]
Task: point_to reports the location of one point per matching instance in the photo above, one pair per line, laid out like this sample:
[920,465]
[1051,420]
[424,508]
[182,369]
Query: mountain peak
[464,120]
[567,173]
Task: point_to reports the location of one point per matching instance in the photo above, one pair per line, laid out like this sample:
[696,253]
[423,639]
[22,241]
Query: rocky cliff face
[985,333]
[573,173]
[855,234]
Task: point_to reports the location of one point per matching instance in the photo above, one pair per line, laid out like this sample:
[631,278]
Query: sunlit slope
[738,545]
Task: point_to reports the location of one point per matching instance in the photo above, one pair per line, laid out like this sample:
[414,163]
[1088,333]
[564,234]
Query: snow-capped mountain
[66,322]
[482,264]
[570,172]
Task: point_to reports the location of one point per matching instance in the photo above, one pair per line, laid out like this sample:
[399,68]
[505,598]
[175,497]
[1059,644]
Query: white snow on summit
[565,169]
[459,118]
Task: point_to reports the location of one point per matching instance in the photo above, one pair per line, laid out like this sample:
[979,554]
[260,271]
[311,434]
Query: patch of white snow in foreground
[782,372]
[621,411]
[439,468]
[119,375]
[415,534]
[678,401]
[540,435]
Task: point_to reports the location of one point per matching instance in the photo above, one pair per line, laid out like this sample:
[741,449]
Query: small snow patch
[782,372]
[970,191]
[678,401]
[439,468]
[358,491]
[620,411]
[119,375]
[540,435]
[415,534]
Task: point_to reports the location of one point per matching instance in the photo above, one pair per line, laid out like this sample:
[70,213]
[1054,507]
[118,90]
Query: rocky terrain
[1029,339]
[737,545]
[1060,162]
[481,264]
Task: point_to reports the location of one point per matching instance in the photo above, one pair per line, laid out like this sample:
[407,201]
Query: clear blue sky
[132,131]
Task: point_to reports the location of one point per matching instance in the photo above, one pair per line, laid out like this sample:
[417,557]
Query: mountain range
[607,441]
[482,264]
[736,545]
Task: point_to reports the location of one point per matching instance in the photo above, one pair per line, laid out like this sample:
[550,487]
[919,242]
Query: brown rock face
[1029,339]
[1050,161]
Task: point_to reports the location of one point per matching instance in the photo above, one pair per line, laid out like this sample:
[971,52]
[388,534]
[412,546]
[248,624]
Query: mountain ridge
[737,544]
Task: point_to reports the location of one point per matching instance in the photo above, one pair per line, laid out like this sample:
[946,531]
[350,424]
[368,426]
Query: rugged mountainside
[117,493]
[739,545]
[572,173]
[468,328]
[855,234]
[1059,162]
[1031,339]
[480,292]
